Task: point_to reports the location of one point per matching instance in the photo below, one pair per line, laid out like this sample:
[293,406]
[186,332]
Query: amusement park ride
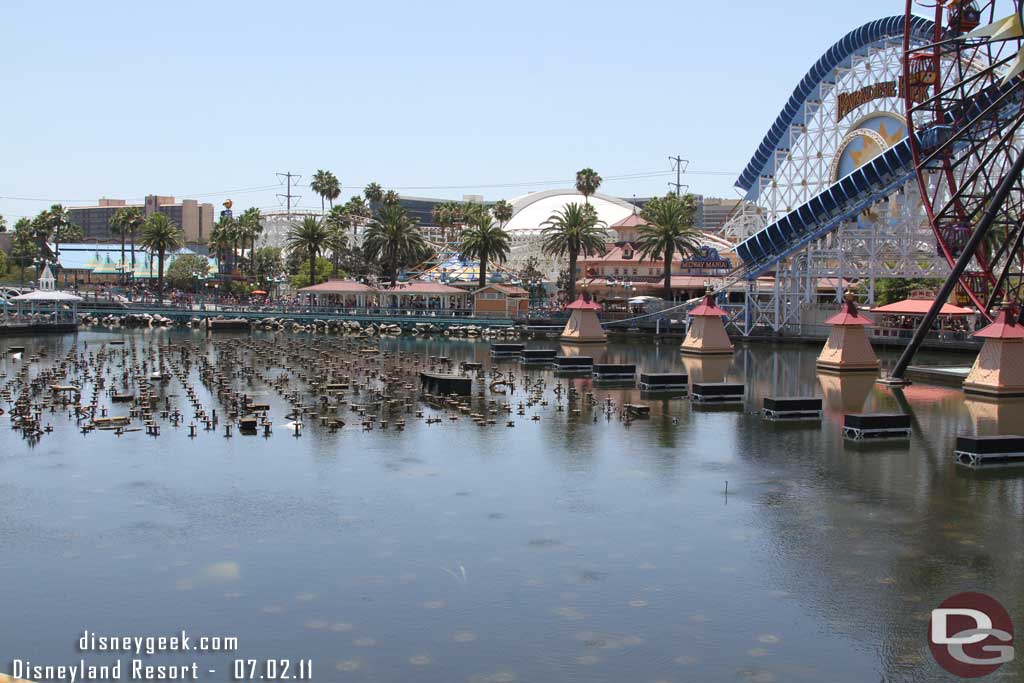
[899,154]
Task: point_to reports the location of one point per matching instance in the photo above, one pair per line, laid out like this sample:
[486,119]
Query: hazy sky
[210,99]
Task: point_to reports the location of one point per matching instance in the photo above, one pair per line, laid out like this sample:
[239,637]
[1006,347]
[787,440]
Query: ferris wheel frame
[964,126]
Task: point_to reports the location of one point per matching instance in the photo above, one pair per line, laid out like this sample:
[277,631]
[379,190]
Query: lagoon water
[563,549]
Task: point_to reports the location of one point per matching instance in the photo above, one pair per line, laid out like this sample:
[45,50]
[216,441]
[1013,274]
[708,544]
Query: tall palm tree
[337,222]
[333,188]
[443,215]
[570,232]
[159,236]
[61,228]
[587,183]
[668,230]
[320,184]
[394,239]
[309,236]
[502,211]
[250,227]
[373,193]
[42,231]
[127,221]
[223,237]
[390,197]
[487,242]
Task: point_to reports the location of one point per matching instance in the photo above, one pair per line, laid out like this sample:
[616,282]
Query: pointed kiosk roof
[1003,327]
[849,316]
[583,304]
[707,308]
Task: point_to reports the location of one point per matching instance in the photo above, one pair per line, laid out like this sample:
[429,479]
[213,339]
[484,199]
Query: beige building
[195,219]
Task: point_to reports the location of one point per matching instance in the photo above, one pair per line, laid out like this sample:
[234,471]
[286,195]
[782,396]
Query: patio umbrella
[258,292]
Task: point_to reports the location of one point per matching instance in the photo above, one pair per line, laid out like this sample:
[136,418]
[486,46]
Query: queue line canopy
[919,307]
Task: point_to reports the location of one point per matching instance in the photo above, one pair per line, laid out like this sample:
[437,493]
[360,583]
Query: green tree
[223,238]
[892,289]
[3,264]
[159,236]
[390,197]
[668,230]
[249,228]
[532,278]
[301,279]
[373,193]
[485,241]
[587,183]
[186,269]
[24,247]
[394,239]
[502,211]
[337,222]
[326,185]
[572,231]
[3,224]
[267,266]
[309,237]
[126,222]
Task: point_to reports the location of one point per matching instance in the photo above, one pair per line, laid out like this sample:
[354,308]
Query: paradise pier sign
[919,82]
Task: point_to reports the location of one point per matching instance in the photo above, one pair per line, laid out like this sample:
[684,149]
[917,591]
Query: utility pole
[679,165]
[288,193]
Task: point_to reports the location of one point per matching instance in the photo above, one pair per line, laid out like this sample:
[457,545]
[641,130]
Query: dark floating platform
[248,425]
[717,393]
[782,408]
[985,451]
[229,325]
[638,410]
[446,384]
[507,350]
[614,372]
[537,356]
[859,426]
[574,364]
[664,381]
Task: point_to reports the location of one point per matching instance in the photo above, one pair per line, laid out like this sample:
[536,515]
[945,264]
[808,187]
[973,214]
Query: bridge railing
[207,309]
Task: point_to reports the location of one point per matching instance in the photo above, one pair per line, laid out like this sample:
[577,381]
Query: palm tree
[309,236]
[390,197]
[159,236]
[443,215]
[333,188]
[394,239]
[61,228]
[487,242]
[502,211]
[128,220]
[373,193]
[572,231]
[337,221]
[320,184]
[222,239]
[42,230]
[250,227]
[587,182]
[668,230]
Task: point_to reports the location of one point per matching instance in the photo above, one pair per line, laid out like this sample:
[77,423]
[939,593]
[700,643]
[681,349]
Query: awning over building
[919,307]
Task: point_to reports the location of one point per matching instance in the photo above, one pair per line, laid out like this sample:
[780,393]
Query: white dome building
[531,211]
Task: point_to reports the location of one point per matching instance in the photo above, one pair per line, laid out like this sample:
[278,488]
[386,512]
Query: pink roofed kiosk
[998,371]
[706,334]
[583,326]
[848,348]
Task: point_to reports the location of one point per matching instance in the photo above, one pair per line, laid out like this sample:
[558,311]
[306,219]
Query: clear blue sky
[122,99]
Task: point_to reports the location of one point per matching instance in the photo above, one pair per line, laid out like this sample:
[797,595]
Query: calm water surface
[563,549]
